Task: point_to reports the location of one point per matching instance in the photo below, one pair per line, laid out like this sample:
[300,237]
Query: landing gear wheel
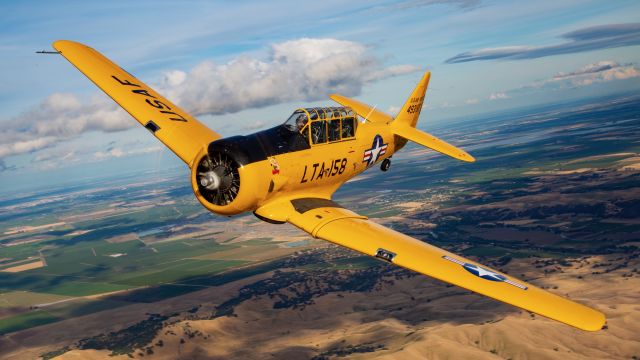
[386,164]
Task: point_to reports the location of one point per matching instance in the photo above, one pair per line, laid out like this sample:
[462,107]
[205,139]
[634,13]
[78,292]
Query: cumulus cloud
[602,71]
[174,78]
[498,96]
[472,101]
[586,39]
[59,117]
[298,70]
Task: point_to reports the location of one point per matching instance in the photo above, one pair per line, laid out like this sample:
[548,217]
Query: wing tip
[466,157]
[583,317]
[597,323]
[61,42]
[337,97]
[60,45]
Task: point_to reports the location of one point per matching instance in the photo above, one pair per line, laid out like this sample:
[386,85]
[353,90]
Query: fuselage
[288,163]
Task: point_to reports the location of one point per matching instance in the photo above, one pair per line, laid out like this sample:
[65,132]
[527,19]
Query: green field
[56,312]
[86,264]
[26,321]
[81,306]
[81,262]
[74,270]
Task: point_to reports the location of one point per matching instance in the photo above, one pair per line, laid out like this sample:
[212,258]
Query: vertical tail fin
[410,112]
[404,125]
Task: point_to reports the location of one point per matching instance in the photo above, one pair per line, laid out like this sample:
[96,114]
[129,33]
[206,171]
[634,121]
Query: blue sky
[245,65]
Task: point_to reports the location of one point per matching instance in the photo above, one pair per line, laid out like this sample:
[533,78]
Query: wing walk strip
[328,221]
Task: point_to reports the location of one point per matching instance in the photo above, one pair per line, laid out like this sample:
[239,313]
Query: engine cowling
[220,179]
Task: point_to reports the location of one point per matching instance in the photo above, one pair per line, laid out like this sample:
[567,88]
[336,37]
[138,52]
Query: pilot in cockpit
[301,121]
[298,139]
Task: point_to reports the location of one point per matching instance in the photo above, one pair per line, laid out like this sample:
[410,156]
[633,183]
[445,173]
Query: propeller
[218,178]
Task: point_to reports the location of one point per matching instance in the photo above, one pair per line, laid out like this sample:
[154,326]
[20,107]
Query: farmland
[100,239]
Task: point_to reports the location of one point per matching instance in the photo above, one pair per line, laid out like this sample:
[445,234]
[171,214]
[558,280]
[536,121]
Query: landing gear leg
[386,164]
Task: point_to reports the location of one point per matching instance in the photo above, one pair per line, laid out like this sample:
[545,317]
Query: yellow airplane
[289,173]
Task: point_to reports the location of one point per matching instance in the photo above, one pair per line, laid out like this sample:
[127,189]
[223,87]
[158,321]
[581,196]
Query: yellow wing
[364,110]
[179,131]
[326,220]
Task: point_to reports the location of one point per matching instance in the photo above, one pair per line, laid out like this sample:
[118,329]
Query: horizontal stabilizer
[432,142]
[367,112]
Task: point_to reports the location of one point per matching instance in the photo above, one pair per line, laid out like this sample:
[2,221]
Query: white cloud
[54,155]
[391,71]
[298,70]
[498,96]
[27,145]
[57,118]
[117,152]
[258,124]
[55,158]
[174,78]
[472,101]
[394,110]
[304,69]
[597,72]
[601,71]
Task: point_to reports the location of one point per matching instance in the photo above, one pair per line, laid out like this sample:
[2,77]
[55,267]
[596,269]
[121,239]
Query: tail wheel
[386,164]
[218,178]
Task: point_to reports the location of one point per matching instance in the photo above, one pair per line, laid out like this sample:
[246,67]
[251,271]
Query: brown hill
[417,318]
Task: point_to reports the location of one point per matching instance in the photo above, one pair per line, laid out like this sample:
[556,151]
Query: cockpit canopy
[304,128]
[323,125]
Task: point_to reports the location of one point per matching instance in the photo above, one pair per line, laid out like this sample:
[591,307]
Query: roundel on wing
[483,273]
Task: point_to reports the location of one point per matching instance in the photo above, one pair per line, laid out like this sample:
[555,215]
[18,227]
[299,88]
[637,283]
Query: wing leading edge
[174,127]
[362,109]
[326,220]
